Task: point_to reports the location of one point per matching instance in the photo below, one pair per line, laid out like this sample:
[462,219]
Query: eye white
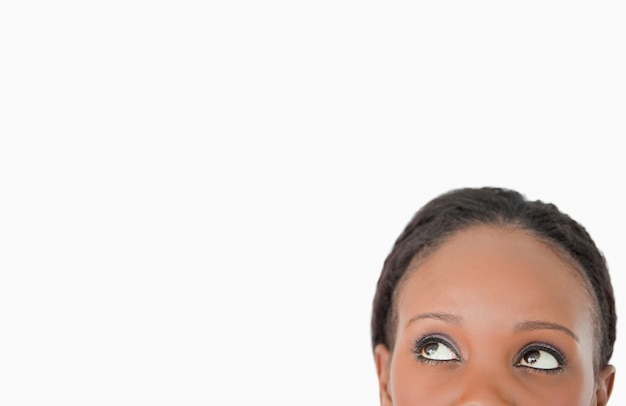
[539,359]
[438,352]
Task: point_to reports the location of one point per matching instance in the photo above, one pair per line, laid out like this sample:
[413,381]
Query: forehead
[504,273]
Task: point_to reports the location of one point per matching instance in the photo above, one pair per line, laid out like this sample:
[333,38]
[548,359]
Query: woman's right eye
[435,349]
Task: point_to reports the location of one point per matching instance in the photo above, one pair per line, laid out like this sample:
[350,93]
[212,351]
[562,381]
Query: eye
[435,349]
[542,358]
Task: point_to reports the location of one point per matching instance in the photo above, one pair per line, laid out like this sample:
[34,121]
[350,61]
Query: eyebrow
[530,325]
[544,325]
[447,317]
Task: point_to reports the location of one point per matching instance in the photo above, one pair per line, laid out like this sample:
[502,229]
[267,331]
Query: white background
[196,197]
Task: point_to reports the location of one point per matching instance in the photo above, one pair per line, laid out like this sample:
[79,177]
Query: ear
[383,359]
[604,385]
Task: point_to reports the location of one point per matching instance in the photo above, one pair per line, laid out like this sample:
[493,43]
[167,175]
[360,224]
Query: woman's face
[493,317]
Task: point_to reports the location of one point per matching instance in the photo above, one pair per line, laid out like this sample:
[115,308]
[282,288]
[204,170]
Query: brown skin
[476,302]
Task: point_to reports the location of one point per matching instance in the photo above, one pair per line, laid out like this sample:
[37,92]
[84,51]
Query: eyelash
[422,342]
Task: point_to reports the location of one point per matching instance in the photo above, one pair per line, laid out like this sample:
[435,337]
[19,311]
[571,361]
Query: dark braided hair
[463,208]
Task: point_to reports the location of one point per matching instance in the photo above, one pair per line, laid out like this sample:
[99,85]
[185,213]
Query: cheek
[412,383]
[580,395]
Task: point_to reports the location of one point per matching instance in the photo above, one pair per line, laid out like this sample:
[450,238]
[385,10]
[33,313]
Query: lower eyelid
[428,361]
[555,371]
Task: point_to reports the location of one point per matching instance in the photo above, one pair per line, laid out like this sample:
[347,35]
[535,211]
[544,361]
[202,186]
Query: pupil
[532,357]
[431,349]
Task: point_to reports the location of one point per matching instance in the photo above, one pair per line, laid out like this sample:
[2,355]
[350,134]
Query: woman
[490,299]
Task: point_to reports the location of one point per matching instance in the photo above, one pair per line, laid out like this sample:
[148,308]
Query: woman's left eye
[541,358]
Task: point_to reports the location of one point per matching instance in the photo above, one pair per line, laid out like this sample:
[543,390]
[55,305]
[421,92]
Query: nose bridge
[483,384]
